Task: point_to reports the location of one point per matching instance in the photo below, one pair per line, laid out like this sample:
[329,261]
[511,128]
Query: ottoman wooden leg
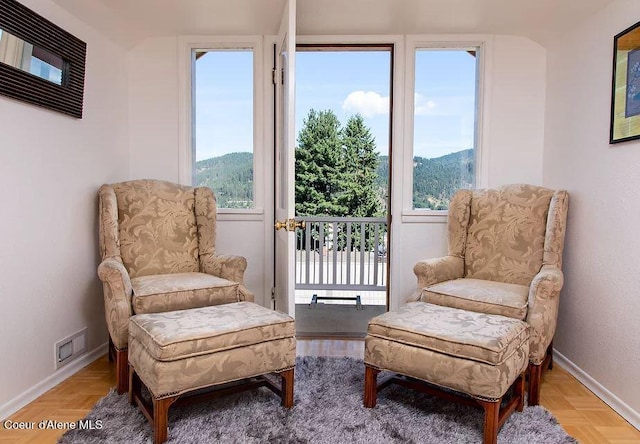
[491,420]
[286,394]
[535,376]
[370,386]
[161,418]
[135,385]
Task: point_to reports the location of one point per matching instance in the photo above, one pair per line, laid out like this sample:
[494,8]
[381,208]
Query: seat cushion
[183,334]
[481,337]
[481,296]
[180,291]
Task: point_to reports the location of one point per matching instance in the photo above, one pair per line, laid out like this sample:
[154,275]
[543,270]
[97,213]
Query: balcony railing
[342,253]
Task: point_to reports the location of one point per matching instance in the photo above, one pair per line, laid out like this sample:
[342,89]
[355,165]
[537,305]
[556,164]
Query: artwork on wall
[40,63]
[625,95]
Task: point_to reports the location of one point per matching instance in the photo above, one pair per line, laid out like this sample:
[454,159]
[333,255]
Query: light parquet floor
[581,413]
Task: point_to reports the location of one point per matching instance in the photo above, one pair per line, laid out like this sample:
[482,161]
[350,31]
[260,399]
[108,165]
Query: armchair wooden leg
[519,392]
[535,378]
[111,351]
[535,375]
[370,386]
[122,371]
[286,395]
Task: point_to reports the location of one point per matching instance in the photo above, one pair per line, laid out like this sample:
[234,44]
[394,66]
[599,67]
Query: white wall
[51,166]
[514,106]
[599,321]
[153,104]
[516,111]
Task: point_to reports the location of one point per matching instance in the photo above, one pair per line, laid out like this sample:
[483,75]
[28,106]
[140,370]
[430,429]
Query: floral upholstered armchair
[157,244]
[504,258]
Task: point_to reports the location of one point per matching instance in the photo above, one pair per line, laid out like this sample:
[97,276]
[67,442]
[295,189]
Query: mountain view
[231,177]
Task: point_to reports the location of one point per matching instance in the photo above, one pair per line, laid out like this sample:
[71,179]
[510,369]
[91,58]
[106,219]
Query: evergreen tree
[230,176]
[358,182]
[359,189]
[319,166]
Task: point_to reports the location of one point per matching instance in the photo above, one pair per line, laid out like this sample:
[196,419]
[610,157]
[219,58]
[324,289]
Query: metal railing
[342,253]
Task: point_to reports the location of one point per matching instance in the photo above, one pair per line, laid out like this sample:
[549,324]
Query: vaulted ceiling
[130,21]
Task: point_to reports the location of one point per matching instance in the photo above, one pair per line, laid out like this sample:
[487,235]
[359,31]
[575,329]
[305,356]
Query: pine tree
[319,166]
[359,190]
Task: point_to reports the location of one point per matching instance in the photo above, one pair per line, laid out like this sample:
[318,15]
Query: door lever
[289,224]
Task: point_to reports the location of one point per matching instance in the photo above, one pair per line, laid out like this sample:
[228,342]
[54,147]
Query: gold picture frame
[625,95]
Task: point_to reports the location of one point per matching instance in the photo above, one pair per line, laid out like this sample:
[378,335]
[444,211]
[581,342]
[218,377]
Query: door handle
[289,224]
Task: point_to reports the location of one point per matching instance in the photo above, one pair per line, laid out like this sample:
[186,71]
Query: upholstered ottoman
[225,348]
[477,355]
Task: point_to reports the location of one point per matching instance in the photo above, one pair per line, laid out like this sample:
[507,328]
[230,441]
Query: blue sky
[444,110]
[347,83]
[224,103]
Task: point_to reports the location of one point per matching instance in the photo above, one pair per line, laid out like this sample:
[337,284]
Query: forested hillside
[231,177]
[435,179]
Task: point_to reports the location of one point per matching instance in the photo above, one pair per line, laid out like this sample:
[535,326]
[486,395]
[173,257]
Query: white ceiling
[130,21]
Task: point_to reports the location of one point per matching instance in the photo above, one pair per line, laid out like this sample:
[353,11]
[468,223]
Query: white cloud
[423,106]
[367,103]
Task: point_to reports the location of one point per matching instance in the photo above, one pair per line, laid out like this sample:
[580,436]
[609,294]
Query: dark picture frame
[625,92]
[67,97]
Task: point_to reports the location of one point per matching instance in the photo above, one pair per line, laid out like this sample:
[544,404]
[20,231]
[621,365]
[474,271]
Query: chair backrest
[507,234]
[157,227]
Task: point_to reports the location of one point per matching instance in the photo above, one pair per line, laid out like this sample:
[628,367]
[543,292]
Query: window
[444,124]
[223,125]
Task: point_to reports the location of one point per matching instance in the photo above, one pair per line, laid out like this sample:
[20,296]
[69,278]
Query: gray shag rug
[327,409]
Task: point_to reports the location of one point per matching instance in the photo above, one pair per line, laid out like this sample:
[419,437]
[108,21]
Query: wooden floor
[580,412]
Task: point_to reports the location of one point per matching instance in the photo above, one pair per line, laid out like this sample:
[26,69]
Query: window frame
[186,73]
[415,43]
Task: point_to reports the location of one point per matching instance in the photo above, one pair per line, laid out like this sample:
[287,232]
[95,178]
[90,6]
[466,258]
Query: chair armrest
[231,268]
[542,313]
[117,299]
[433,271]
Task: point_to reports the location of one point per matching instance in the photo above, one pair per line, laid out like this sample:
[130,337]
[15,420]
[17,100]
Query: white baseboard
[632,416]
[9,408]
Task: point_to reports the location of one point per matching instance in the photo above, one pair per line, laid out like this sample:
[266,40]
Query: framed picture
[625,95]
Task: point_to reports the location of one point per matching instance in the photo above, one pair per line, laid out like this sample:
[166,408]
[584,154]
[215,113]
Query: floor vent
[70,348]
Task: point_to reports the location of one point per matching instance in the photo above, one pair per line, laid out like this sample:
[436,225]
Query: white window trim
[186,44]
[413,43]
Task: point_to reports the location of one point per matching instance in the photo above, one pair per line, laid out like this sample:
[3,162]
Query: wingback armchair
[157,242]
[504,257]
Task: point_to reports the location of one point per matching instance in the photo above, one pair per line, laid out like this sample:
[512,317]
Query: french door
[284,78]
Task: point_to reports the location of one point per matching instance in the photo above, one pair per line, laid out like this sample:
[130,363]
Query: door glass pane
[223,133]
[342,126]
[444,125]
[343,109]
